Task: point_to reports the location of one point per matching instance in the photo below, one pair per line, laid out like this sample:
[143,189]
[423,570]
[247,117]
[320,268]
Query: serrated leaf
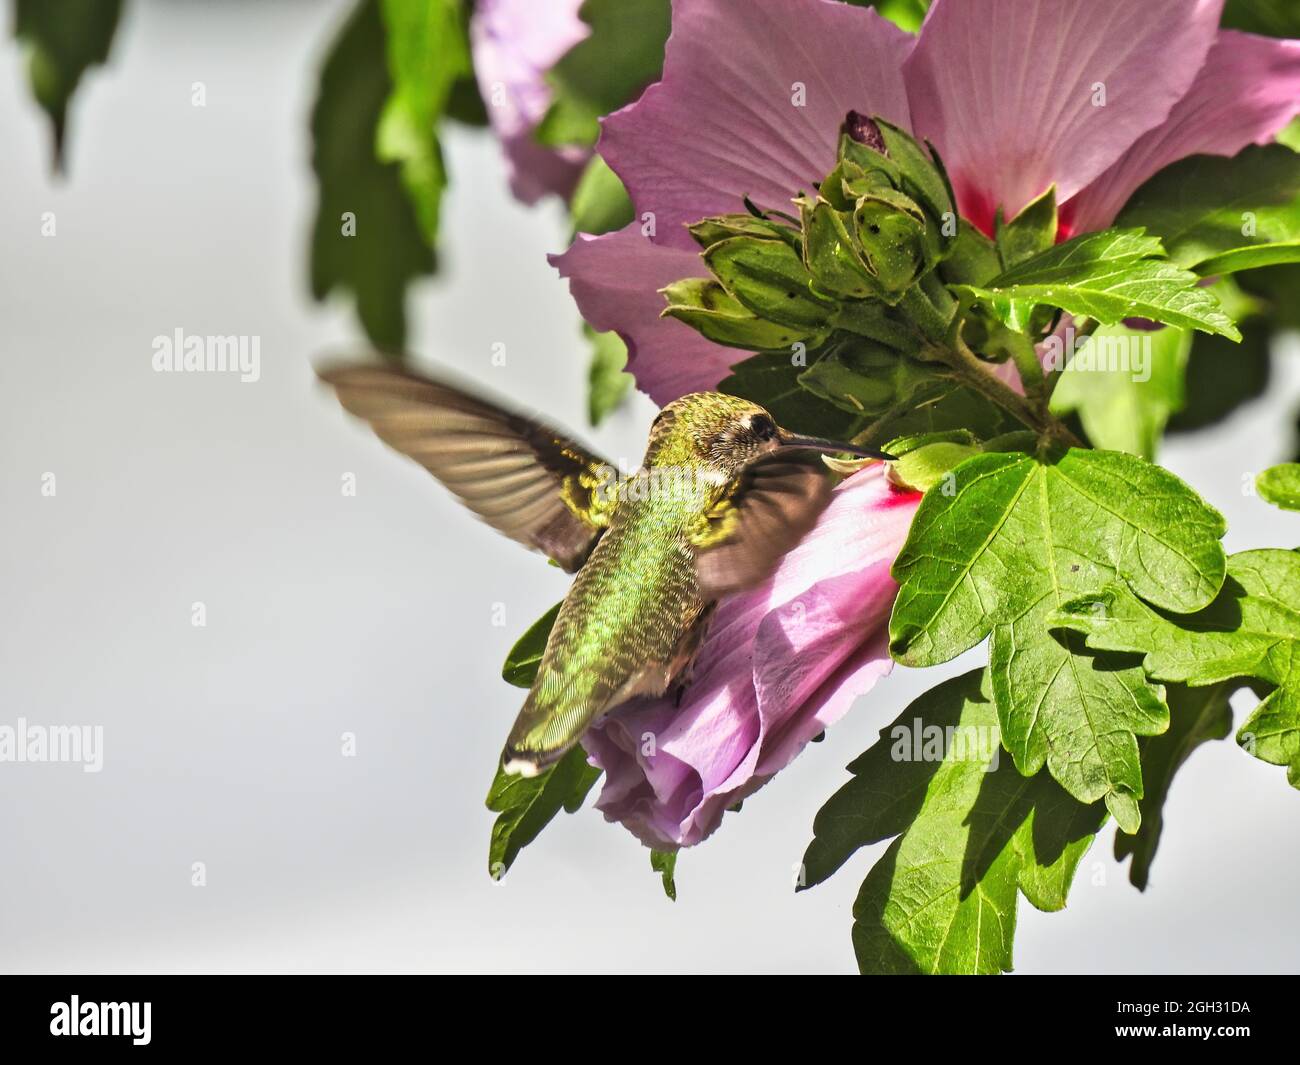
[1251,630]
[428,53]
[526,805]
[386,251]
[1280,485]
[64,39]
[1219,215]
[607,381]
[1196,716]
[972,835]
[1016,540]
[665,864]
[1110,276]
[525,656]
[1124,385]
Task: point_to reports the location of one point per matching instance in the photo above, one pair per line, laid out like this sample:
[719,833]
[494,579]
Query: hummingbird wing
[520,476]
[773,505]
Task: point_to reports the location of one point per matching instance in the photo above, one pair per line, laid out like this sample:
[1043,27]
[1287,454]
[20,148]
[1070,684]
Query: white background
[373,614]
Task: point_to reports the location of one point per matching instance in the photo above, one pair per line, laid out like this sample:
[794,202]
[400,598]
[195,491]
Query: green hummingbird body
[722,495]
[625,627]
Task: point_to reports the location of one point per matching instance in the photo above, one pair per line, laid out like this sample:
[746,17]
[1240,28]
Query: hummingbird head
[723,434]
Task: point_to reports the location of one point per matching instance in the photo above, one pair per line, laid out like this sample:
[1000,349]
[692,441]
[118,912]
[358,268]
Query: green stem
[971,372]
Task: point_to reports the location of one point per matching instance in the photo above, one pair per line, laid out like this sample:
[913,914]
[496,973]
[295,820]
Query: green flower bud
[769,278]
[891,239]
[711,311]
[830,253]
[709,231]
[867,378]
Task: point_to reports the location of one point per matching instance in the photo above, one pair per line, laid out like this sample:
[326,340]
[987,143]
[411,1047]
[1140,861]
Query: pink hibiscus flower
[1016,95]
[515,42]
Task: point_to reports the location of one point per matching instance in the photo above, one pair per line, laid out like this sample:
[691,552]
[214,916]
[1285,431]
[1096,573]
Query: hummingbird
[722,494]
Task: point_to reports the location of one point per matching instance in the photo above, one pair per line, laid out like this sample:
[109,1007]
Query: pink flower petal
[1005,88]
[615,280]
[779,665]
[1248,90]
[515,42]
[722,125]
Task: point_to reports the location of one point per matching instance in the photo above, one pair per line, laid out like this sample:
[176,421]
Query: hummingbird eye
[762,427]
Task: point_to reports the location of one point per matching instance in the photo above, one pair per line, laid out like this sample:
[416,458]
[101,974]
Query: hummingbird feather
[742,539]
[520,476]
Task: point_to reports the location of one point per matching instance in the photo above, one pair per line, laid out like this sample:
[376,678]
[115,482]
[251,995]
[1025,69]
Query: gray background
[373,614]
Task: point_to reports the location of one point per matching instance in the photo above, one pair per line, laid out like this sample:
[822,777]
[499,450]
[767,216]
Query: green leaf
[1031,232]
[1125,384]
[905,14]
[771,379]
[600,203]
[1011,539]
[607,69]
[1196,716]
[1280,485]
[387,249]
[1221,376]
[1218,215]
[526,805]
[1250,631]
[1274,18]
[525,656]
[428,52]
[607,383]
[972,835]
[1111,275]
[64,39]
[665,864]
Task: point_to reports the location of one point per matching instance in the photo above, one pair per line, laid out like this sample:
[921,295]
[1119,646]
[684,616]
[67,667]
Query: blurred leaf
[1280,485]
[1219,215]
[1222,375]
[607,383]
[599,203]
[1196,716]
[526,805]
[526,655]
[665,864]
[1273,18]
[622,55]
[64,39]
[905,14]
[385,250]
[1124,384]
[428,53]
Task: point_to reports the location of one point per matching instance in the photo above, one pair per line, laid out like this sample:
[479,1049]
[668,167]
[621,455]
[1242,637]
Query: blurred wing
[776,501]
[521,477]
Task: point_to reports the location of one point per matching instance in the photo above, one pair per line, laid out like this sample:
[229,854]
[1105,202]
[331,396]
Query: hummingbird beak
[817,443]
